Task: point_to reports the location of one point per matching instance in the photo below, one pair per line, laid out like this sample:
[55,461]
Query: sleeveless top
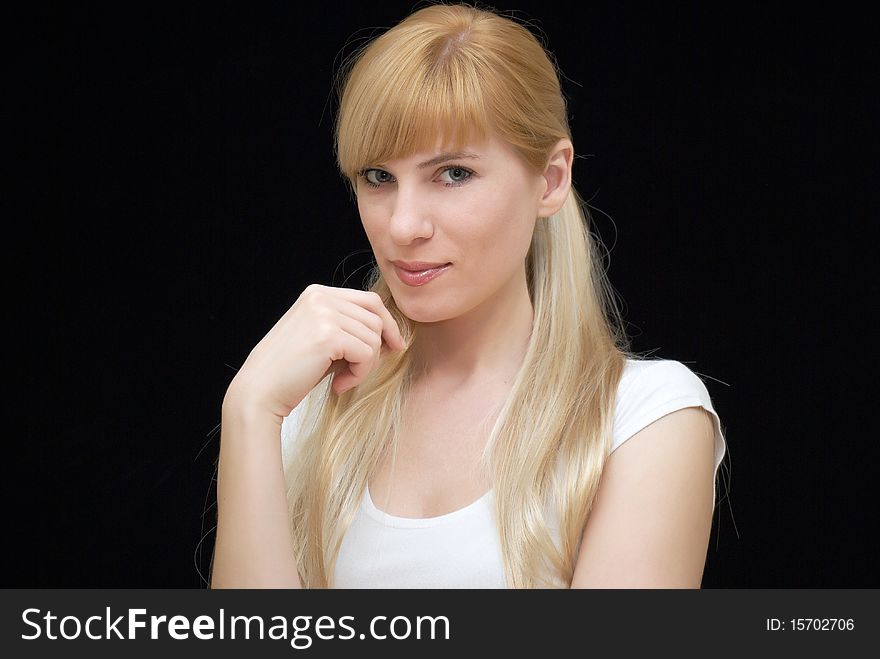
[461,549]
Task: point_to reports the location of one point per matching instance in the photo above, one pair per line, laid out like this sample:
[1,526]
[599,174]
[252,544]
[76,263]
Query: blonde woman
[475,418]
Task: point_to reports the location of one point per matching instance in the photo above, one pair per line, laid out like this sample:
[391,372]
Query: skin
[652,517]
[476,318]
[474,321]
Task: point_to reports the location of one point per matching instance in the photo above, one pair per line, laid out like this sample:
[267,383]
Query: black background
[172,182]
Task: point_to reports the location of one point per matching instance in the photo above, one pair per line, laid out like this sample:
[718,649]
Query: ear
[556,179]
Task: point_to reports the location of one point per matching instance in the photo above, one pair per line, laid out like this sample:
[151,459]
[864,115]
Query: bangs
[393,109]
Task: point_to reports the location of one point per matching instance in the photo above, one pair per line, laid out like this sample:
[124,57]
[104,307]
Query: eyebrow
[443,157]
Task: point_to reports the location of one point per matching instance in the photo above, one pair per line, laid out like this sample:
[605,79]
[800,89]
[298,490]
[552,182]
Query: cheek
[369,220]
[507,222]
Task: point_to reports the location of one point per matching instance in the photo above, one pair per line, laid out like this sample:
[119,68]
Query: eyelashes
[454,184]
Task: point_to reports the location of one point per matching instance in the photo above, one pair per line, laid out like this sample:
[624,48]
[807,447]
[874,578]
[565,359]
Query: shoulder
[651,389]
[651,518]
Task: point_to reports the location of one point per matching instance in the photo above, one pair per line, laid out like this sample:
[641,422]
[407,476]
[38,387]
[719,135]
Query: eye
[455,172]
[374,178]
[365,174]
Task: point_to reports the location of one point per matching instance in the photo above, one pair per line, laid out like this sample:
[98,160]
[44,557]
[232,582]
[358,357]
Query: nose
[410,216]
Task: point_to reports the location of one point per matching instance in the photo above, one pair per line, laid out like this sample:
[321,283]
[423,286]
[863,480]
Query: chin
[422,315]
[422,311]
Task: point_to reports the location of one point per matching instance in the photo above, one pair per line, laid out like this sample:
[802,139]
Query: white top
[461,549]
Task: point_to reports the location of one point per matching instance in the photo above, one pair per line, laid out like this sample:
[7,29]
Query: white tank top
[461,549]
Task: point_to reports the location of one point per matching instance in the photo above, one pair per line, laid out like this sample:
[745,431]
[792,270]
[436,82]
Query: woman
[475,418]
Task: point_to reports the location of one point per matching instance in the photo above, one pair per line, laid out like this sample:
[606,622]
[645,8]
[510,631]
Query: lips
[422,276]
[419,266]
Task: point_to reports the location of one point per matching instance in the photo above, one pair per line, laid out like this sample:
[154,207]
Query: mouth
[418,266]
[419,277]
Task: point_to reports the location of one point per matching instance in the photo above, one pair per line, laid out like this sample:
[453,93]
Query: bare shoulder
[650,522]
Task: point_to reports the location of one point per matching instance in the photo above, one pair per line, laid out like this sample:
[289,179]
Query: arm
[253,547]
[327,330]
[651,519]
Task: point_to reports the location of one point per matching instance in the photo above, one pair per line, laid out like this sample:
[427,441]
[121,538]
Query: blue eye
[365,174]
[462,170]
[376,177]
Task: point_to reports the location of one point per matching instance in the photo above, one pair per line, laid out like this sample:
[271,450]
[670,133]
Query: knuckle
[324,333]
[376,323]
[322,313]
[314,290]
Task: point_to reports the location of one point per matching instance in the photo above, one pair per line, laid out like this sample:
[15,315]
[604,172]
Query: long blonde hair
[461,72]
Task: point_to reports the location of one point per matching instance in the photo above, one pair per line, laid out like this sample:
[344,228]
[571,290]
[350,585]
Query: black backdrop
[173,179]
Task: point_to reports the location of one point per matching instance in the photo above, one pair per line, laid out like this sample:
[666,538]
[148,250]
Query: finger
[375,323]
[367,317]
[364,332]
[360,346]
[390,331]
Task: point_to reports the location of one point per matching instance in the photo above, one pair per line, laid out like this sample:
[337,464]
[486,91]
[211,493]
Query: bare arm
[254,547]
[327,329]
[650,523]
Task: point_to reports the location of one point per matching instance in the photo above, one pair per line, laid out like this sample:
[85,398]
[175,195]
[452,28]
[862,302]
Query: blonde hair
[463,73]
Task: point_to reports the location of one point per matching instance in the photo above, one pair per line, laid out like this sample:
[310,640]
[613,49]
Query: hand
[328,329]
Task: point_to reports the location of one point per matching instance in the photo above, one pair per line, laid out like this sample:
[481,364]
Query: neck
[484,346]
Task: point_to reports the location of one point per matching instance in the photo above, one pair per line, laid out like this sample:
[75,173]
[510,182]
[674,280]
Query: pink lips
[417,274]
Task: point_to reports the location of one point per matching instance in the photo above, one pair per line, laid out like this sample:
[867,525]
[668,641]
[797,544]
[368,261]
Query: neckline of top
[420,522]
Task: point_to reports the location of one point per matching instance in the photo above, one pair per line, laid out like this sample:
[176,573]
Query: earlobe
[557,179]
